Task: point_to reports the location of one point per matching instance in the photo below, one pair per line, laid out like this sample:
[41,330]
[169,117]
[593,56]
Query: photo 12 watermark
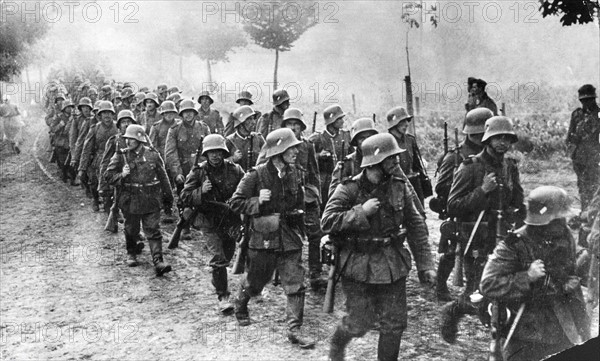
[71,11]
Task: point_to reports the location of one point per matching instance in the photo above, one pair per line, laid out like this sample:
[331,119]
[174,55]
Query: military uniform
[212,118]
[484,102]
[158,135]
[59,128]
[113,144]
[77,129]
[12,125]
[147,120]
[269,121]
[183,142]
[410,162]
[553,318]
[236,142]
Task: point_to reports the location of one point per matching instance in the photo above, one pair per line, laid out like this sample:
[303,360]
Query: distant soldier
[210,117]
[478,98]
[328,146]
[93,94]
[151,115]
[124,119]
[138,104]
[145,189]
[371,213]
[184,141]
[161,92]
[244,98]
[483,185]
[78,127]
[238,143]
[208,187]
[127,97]
[160,129]
[535,268]
[12,124]
[60,126]
[173,90]
[582,141]
[175,98]
[106,92]
[93,149]
[272,120]
[272,194]
[472,145]
[78,150]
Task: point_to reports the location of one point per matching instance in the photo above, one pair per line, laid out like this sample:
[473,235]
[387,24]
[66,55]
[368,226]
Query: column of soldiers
[267,183]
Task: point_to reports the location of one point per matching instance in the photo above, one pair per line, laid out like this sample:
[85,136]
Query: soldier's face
[500,143]
[402,126]
[132,144]
[169,116]
[188,116]
[215,157]
[389,164]
[475,138]
[86,111]
[243,102]
[68,110]
[360,138]
[290,155]
[295,126]
[125,122]
[285,105]
[106,117]
[587,103]
[476,89]
[205,102]
[339,123]
[150,105]
[250,123]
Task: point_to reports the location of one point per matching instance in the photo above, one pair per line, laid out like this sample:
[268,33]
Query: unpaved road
[66,294]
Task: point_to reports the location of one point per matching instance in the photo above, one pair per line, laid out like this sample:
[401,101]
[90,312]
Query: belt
[141,185]
[373,244]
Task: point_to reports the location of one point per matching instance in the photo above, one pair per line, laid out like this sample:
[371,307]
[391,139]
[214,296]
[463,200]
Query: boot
[225,307]
[241,308]
[107,204]
[296,337]
[444,269]
[131,260]
[451,315]
[295,315]
[157,257]
[139,247]
[219,281]
[339,340]
[388,347]
[95,205]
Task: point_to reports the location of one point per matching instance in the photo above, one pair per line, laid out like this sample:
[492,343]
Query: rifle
[112,224]
[446,137]
[314,122]
[459,258]
[335,256]
[496,318]
[242,246]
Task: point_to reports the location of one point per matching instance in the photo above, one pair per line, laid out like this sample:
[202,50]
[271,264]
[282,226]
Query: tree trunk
[276,66]
[28,80]
[208,68]
[180,67]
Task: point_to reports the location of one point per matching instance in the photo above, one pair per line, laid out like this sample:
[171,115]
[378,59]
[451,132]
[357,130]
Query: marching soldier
[372,216]
[583,145]
[328,146]
[244,98]
[273,195]
[59,128]
[160,129]
[483,186]
[138,104]
[175,98]
[478,98]
[173,90]
[474,129]
[184,141]
[127,97]
[238,143]
[410,161]
[533,271]
[161,93]
[76,153]
[208,187]
[210,117]
[145,188]
[93,149]
[272,120]
[12,124]
[93,95]
[106,92]
[150,115]
[78,126]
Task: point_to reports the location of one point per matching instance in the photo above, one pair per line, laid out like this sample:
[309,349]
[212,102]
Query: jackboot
[388,347]
[95,200]
[339,340]
[444,269]
[131,260]
[157,257]
[241,307]
[295,315]
[451,315]
[219,281]
[130,245]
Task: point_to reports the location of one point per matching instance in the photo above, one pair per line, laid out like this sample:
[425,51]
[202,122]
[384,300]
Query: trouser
[262,264]
[312,222]
[325,183]
[473,271]
[151,225]
[222,248]
[588,178]
[416,183]
[61,160]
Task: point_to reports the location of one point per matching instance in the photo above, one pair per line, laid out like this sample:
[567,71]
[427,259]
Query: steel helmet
[144,89]
[396,115]
[135,131]
[214,142]
[107,106]
[241,114]
[168,107]
[67,103]
[126,93]
[333,113]
[92,91]
[175,98]
[161,88]
[587,91]
[187,104]
[245,95]
[547,203]
[294,114]
[173,90]
[499,125]
[115,95]
[359,126]
[96,106]
[124,114]
[205,94]
[475,120]
[106,88]
[85,101]
[279,140]
[58,97]
[280,96]
[378,147]
[153,97]
[139,98]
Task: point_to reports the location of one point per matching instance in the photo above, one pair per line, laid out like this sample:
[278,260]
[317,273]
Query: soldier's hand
[536,270]
[428,277]
[371,206]
[237,155]
[264,196]
[324,154]
[80,174]
[571,285]
[180,179]
[125,171]
[489,183]
[206,186]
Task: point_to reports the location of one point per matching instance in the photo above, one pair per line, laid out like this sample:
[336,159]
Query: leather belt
[141,185]
[374,244]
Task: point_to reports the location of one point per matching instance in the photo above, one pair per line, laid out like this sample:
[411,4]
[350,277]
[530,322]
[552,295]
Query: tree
[279,24]
[16,36]
[572,11]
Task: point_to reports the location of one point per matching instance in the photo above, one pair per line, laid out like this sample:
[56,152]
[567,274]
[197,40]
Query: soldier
[12,124]
[161,92]
[244,98]
[127,97]
[175,98]
[272,194]
[238,143]
[410,161]
[93,149]
[272,120]
[372,216]
[483,185]
[106,92]
[78,150]
[159,130]
[474,129]
[93,94]
[582,142]
[478,98]
[535,267]
[184,140]
[328,146]
[145,188]
[210,117]
[173,90]
[60,126]
[208,188]
[151,115]
[138,104]
[77,128]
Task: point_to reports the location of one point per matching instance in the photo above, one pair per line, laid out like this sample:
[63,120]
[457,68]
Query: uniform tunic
[236,142]
[212,118]
[183,142]
[269,121]
[93,149]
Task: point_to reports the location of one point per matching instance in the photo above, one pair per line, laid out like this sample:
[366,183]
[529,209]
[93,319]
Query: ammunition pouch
[449,237]
[295,218]
[326,248]
[438,205]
